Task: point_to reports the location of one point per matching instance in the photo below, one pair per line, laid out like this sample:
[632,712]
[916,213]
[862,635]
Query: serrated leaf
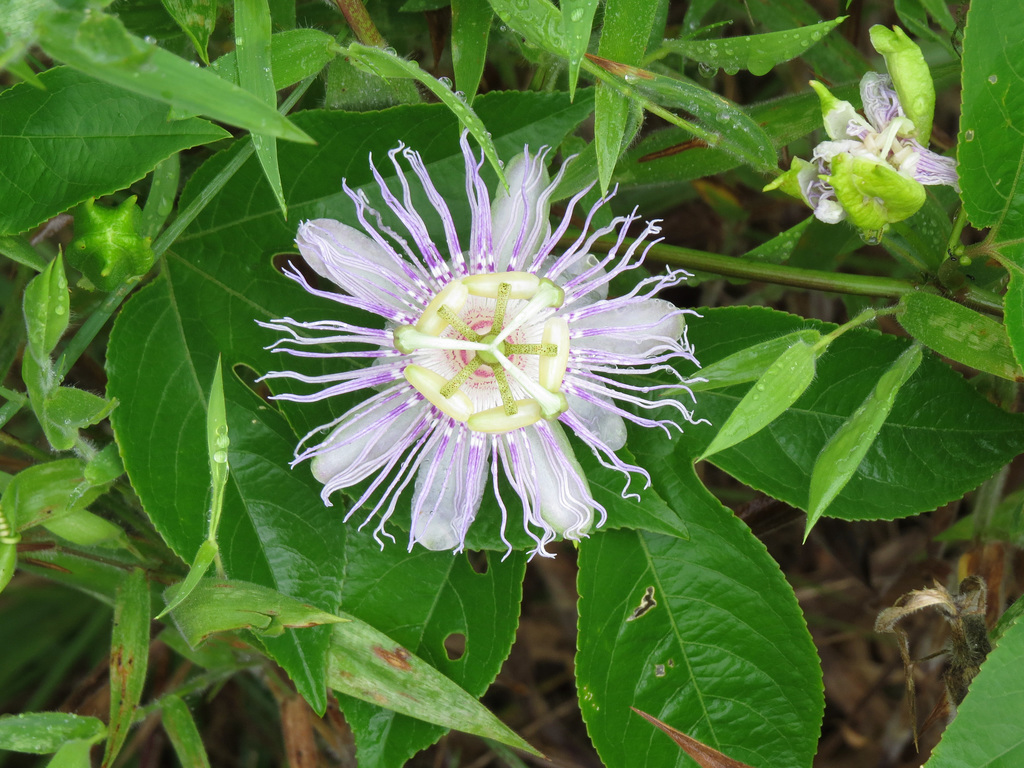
[845,450]
[109,138]
[66,410]
[43,732]
[758,54]
[959,333]
[369,665]
[985,731]
[990,145]
[660,619]
[129,658]
[221,606]
[100,45]
[940,427]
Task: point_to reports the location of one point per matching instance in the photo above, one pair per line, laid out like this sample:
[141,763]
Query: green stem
[864,317]
[360,22]
[953,245]
[796,277]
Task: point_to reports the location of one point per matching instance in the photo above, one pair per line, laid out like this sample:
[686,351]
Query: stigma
[474,322]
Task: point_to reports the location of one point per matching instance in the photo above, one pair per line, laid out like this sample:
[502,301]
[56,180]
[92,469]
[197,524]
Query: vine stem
[797,277]
[360,22]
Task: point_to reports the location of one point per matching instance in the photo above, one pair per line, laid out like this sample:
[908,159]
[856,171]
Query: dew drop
[58,310]
[220,457]
[871,237]
[969,135]
[577,14]
[390,51]
[993,79]
[659,670]
[446,82]
[706,70]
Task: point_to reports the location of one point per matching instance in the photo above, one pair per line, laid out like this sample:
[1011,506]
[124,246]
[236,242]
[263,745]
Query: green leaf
[43,732]
[660,621]
[990,145]
[129,658]
[985,731]
[204,559]
[252,50]
[87,530]
[624,37]
[845,450]
[749,364]
[387,65]
[959,333]
[577,21]
[197,19]
[99,44]
[72,754]
[775,390]
[471,25]
[537,20]
[294,56]
[369,665]
[221,606]
[940,427]
[720,123]
[8,560]
[432,599]
[109,138]
[182,731]
[45,492]
[47,308]
[758,54]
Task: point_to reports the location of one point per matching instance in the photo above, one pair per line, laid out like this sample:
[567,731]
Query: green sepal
[874,194]
[789,182]
[108,248]
[835,113]
[910,76]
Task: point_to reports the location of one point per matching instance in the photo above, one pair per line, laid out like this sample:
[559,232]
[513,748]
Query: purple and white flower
[490,348]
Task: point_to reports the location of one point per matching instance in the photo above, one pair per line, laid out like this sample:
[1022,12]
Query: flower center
[441,327]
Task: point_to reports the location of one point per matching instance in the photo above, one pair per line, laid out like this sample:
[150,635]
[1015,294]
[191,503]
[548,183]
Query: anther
[496,421]
[552,369]
[429,384]
[453,296]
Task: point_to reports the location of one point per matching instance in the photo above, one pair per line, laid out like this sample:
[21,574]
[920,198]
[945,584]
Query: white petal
[558,482]
[519,212]
[634,329]
[608,426]
[363,445]
[354,262]
[449,488]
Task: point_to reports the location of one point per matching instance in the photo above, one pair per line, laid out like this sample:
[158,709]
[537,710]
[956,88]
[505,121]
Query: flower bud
[874,194]
[108,248]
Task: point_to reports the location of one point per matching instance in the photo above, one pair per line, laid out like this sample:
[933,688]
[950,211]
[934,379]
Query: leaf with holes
[687,629]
